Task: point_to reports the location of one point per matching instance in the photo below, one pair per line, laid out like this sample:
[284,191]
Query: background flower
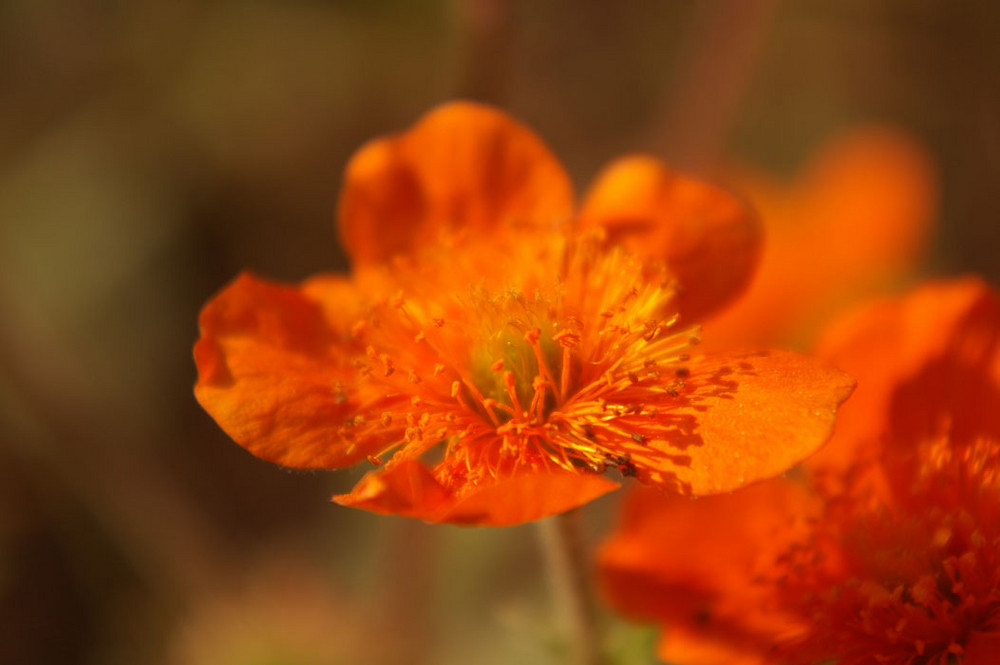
[882,547]
[855,221]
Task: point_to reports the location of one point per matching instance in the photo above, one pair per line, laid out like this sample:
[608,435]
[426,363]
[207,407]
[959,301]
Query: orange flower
[492,357]
[885,549]
[851,223]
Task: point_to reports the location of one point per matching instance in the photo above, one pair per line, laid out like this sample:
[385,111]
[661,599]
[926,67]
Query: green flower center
[516,369]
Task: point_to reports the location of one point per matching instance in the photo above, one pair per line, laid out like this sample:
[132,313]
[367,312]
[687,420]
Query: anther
[438,369]
[509,381]
[385,419]
[413,377]
[568,338]
[497,365]
[509,427]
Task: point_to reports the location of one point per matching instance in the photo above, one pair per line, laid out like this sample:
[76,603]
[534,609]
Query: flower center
[519,370]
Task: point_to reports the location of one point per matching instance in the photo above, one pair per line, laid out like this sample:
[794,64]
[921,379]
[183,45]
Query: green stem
[569,573]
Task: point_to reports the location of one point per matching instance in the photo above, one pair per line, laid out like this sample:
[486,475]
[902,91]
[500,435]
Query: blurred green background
[151,149]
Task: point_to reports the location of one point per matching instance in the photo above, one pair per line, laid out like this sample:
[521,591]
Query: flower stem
[568,571]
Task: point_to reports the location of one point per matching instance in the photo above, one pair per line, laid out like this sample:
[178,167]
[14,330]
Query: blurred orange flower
[851,223]
[492,356]
[885,548]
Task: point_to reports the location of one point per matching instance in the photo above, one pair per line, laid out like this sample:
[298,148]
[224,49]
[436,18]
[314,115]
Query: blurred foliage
[150,150]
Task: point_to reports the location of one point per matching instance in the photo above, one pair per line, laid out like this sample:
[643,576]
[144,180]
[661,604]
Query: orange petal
[856,219]
[741,418]
[338,297]
[733,534]
[878,189]
[689,565]
[677,645]
[462,166]
[983,648]
[269,362]
[941,342]
[527,497]
[708,237]
[408,488]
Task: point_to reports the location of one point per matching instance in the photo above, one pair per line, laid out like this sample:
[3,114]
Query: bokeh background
[151,149]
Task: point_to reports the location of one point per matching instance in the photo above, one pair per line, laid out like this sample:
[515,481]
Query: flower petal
[935,349]
[983,648]
[857,218]
[709,238]
[740,418]
[528,496]
[406,488]
[708,603]
[409,488]
[677,645]
[462,166]
[270,360]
